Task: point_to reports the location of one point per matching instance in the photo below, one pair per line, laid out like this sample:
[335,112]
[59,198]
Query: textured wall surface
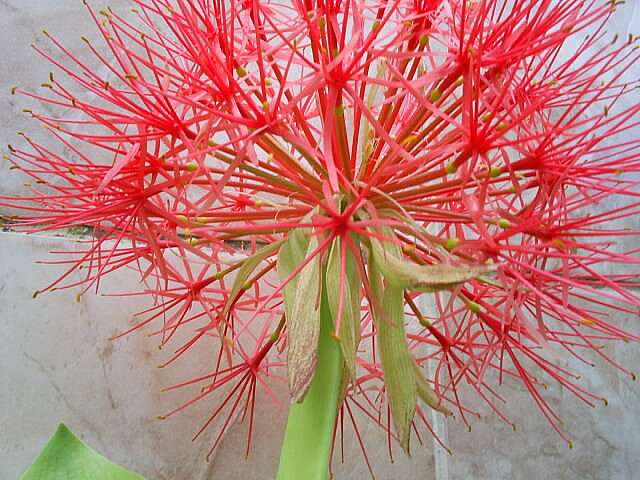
[58,364]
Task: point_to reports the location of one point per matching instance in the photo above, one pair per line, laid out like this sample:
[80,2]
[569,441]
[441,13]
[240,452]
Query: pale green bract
[404,274]
[291,254]
[397,362]
[404,381]
[247,268]
[349,334]
[302,307]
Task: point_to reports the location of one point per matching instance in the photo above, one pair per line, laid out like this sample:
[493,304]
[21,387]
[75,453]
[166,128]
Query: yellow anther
[451,168]
[229,341]
[474,307]
[451,243]
[504,223]
[409,140]
[495,172]
[408,248]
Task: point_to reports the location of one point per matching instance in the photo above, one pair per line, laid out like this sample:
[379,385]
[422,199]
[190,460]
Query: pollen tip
[408,248]
[504,223]
[451,243]
[474,307]
[435,95]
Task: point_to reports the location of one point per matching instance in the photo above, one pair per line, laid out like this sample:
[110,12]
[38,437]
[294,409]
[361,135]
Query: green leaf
[405,274]
[248,266]
[65,457]
[303,320]
[397,363]
[349,334]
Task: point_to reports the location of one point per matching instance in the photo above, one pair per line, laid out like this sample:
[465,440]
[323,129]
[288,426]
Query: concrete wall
[57,364]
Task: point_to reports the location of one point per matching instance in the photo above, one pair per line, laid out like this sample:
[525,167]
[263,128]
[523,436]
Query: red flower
[464,149]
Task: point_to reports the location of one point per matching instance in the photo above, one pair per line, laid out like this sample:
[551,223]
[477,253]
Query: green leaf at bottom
[66,457]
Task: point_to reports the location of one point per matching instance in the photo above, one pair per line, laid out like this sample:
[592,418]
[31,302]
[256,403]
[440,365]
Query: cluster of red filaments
[480,132]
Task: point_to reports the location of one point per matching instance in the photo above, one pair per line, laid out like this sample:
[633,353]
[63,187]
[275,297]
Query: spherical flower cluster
[260,161]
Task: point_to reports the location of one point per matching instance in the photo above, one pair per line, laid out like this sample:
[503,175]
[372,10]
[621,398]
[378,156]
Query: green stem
[306,449]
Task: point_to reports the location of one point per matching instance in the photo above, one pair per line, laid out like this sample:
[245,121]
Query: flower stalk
[308,439]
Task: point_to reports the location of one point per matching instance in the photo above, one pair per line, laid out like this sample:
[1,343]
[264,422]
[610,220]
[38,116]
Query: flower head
[245,156]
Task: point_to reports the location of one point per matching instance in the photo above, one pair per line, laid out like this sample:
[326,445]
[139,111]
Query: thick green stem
[306,449]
